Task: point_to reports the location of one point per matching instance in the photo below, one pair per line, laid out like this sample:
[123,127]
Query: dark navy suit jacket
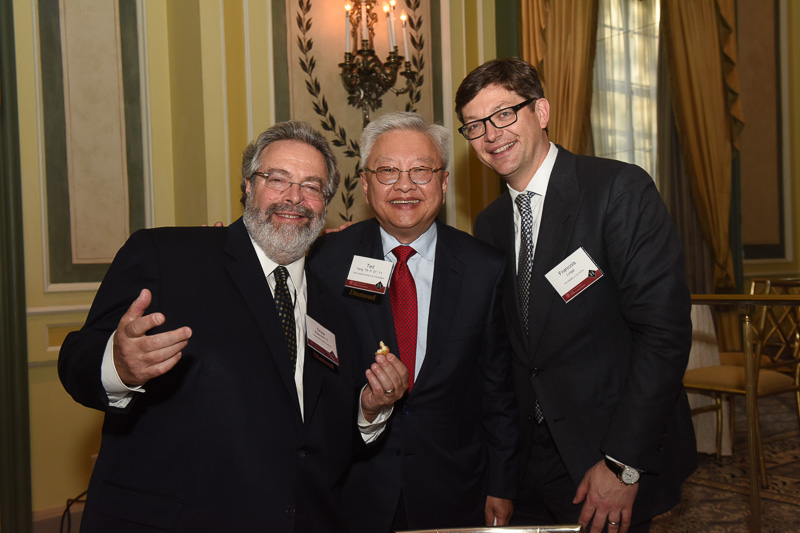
[607,367]
[453,438]
[218,442]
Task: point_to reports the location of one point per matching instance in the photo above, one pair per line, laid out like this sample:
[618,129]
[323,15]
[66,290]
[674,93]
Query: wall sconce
[364,76]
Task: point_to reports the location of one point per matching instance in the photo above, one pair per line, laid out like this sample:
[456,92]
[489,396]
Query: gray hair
[405,121]
[292,130]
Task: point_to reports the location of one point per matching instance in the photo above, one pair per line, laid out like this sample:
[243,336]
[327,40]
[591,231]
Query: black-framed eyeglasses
[417,175]
[502,118]
[311,190]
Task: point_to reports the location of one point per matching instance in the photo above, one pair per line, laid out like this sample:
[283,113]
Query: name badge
[574,274]
[368,278]
[322,341]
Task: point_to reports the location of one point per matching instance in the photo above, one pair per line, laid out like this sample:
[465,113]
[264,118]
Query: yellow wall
[200,87]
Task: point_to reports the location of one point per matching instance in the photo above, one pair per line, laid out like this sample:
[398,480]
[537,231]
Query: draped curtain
[701,52]
[559,38]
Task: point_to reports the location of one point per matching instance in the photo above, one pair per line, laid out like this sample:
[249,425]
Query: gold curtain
[701,51]
[558,38]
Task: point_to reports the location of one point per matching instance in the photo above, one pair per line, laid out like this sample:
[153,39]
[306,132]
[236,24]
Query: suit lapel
[502,227]
[379,316]
[448,276]
[312,370]
[248,276]
[561,204]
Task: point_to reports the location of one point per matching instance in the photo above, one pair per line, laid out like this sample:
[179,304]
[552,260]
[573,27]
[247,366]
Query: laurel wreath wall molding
[337,133]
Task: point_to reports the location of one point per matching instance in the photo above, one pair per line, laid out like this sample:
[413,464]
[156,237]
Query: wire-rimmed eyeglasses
[500,119]
[311,190]
[417,175]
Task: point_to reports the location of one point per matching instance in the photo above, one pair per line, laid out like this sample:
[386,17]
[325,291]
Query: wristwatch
[625,473]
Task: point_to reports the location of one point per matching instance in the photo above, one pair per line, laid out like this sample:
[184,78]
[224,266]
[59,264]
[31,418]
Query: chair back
[777,327]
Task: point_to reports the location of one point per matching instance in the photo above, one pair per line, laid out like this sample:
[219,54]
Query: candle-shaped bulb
[347,8]
[364,20]
[389,26]
[403,18]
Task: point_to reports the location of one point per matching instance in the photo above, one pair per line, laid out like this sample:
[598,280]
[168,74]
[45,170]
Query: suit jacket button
[290,510]
[534,372]
[301,454]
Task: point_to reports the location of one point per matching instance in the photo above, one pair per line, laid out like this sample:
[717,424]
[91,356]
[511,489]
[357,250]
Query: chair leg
[732,416]
[762,463]
[718,402]
[797,398]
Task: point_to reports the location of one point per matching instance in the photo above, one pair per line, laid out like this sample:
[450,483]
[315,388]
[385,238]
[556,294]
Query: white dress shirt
[538,186]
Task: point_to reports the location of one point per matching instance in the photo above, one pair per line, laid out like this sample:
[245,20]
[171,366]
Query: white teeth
[504,148]
[404,201]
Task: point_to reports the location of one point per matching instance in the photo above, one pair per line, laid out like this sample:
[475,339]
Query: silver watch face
[629,475]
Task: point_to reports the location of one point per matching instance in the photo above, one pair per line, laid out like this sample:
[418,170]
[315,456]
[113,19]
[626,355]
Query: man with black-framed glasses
[448,458]
[597,310]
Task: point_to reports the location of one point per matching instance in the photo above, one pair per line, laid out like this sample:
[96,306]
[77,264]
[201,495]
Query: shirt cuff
[621,463]
[119,394]
[372,430]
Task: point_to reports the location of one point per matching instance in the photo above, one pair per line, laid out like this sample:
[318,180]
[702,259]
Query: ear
[365,185]
[445,180]
[247,185]
[543,112]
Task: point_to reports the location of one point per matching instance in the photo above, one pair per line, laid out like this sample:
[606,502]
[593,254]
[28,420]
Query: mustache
[285,208]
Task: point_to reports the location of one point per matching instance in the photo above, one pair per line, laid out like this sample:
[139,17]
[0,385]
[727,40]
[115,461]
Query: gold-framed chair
[776,345]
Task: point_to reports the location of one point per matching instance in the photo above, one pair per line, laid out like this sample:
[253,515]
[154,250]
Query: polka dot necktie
[403,294]
[283,302]
[524,268]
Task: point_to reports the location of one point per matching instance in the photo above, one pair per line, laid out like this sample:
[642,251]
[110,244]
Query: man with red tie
[448,458]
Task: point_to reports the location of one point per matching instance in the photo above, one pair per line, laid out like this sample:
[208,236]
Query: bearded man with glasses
[228,384]
[597,310]
[448,455]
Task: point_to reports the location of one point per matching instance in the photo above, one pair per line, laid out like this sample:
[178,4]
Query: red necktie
[403,293]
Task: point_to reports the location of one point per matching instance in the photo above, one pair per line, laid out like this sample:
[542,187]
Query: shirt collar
[425,245]
[296,269]
[538,183]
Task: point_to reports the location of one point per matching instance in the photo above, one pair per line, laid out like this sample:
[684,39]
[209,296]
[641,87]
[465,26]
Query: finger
[379,383]
[138,307]
[174,339]
[599,523]
[396,370]
[614,524]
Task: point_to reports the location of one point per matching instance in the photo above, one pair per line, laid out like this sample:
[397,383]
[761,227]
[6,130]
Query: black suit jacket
[607,367]
[454,436]
[218,442]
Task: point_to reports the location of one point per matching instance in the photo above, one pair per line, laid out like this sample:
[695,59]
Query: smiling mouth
[402,202]
[289,215]
[503,148]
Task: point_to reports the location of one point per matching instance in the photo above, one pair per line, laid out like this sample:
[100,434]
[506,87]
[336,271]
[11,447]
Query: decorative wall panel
[315,45]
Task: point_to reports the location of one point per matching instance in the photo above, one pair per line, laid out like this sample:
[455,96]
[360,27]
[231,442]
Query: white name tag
[574,274]
[369,274]
[321,340]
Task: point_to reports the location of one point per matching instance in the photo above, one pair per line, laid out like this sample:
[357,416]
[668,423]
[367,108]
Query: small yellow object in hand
[383,349]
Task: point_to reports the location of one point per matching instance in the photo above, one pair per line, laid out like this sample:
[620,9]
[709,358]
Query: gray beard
[282,244]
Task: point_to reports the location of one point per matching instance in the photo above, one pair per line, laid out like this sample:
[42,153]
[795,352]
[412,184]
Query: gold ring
[612,523]
[388,391]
